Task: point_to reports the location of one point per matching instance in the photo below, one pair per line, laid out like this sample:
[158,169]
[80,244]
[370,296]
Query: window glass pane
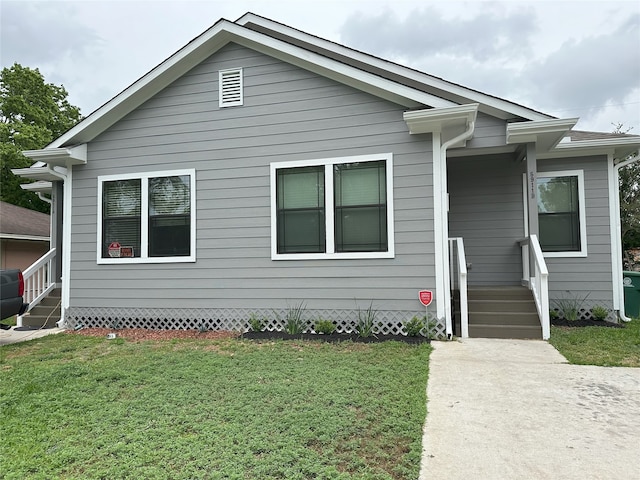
[169,216]
[360,207]
[121,217]
[558,214]
[301,187]
[300,210]
[360,183]
[169,195]
[558,194]
[121,198]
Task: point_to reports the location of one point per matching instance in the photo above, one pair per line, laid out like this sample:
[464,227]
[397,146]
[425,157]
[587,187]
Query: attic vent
[230,87]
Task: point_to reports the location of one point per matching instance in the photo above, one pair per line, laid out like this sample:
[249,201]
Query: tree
[629,177]
[32,114]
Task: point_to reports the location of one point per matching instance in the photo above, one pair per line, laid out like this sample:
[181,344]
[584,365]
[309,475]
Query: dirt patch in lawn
[141,334]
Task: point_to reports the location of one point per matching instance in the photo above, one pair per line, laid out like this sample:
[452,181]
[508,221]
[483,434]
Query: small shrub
[366,322]
[553,314]
[415,326]
[294,322]
[599,313]
[570,306]
[256,324]
[325,326]
[202,327]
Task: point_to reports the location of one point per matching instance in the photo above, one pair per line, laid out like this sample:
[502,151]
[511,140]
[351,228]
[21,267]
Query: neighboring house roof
[580,135]
[20,223]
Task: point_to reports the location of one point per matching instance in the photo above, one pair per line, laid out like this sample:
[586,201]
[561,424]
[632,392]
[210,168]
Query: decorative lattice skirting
[237,319]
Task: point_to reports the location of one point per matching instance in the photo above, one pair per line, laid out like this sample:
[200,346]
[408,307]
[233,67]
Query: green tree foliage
[629,199]
[32,114]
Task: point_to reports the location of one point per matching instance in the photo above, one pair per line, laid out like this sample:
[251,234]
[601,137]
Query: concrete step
[509,305]
[505,331]
[499,293]
[40,321]
[503,318]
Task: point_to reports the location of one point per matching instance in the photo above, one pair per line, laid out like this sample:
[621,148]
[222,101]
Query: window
[333,208]
[230,87]
[147,218]
[561,221]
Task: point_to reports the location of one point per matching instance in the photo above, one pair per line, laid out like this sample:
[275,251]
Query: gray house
[260,168]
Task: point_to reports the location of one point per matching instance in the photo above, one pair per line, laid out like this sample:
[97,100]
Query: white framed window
[332,208]
[147,217]
[561,213]
[230,83]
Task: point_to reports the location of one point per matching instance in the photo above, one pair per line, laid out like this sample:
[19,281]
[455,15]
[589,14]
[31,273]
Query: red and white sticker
[114,249]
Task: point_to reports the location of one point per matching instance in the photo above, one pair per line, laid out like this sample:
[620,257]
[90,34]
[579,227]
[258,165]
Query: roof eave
[62,157]
[546,134]
[208,43]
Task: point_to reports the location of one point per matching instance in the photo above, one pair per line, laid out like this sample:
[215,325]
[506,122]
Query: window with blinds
[300,210]
[336,208]
[559,214]
[150,217]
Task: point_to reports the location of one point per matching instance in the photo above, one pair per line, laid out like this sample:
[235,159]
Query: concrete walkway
[514,409]
[22,334]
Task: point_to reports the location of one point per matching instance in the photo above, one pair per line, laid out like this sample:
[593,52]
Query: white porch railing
[538,283]
[38,280]
[458,266]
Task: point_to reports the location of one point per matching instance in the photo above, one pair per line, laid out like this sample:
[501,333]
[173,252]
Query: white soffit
[439,119]
[546,134]
[59,156]
[41,186]
[619,147]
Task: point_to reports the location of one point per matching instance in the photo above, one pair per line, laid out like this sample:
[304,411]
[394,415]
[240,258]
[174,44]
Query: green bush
[599,313]
[366,322]
[294,323]
[415,326]
[325,326]
[256,324]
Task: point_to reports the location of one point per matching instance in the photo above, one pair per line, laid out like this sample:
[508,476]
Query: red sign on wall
[425,296]
[114,249]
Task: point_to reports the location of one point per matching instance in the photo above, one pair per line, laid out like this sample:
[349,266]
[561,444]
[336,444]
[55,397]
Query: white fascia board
[495,106]
[437,119]
[619,147]
[41,173]
[41,186]
[76,155]
[31,238]
[546,134]
[208,43]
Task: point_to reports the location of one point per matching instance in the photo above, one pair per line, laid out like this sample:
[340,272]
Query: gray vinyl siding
[489,132]
[288,114]
[591,275]
[485,197]
[486,210]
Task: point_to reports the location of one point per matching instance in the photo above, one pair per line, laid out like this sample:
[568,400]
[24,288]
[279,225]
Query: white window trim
[329,212]
[238,102]
[144,217]
[582,213]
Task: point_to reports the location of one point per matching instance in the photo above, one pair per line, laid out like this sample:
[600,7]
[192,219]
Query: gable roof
[459,94]
[22,223]
[402,85]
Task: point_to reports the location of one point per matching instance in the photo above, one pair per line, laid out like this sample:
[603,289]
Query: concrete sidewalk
[21,334]
[514,409]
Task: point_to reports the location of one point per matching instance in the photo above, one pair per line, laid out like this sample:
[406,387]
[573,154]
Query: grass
[83,407]
[11,321]
[611,347]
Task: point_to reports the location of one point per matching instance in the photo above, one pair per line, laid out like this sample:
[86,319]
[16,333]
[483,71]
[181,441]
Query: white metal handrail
[38,279]
[456,245]
[539,282]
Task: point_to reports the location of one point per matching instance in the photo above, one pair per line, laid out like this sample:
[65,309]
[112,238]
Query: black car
[11,292]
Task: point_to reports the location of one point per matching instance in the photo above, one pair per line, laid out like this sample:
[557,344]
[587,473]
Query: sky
[564,58]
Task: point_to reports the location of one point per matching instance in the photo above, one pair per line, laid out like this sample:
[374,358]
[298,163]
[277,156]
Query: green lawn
[83,407]
[611,347]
